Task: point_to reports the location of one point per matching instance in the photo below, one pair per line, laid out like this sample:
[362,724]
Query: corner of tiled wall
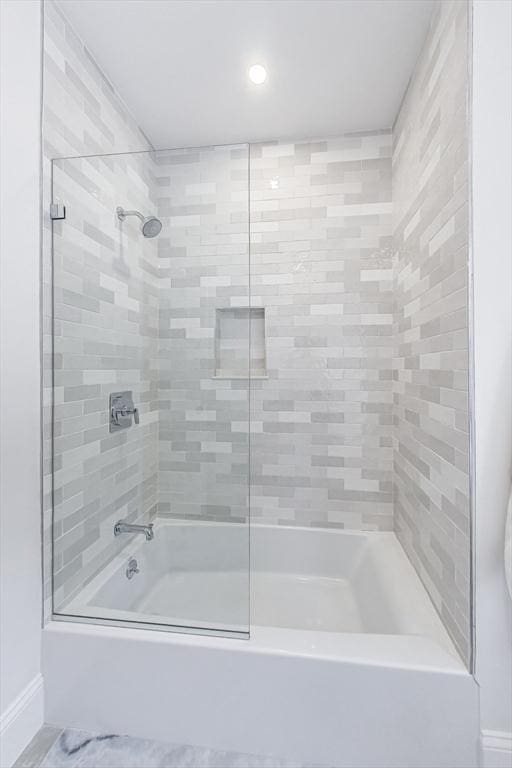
[431,422]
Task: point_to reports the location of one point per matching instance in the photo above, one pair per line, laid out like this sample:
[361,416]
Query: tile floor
[57,748]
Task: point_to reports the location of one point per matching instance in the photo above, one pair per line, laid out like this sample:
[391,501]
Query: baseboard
[21,721]
[496,749]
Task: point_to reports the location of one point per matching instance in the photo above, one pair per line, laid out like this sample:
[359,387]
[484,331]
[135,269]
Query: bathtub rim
[399,652]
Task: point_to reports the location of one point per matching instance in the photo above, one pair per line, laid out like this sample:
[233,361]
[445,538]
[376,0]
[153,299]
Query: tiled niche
[240,340]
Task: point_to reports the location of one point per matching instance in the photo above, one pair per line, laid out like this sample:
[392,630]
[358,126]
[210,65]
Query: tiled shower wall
[203,202]
[321,266]
[430,203]
[105,340]
[105,293]
[320,270]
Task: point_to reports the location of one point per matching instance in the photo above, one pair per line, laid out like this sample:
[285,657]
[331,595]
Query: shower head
[150,225]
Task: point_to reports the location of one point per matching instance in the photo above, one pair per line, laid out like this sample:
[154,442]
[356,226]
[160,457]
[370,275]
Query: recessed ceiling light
[257,74]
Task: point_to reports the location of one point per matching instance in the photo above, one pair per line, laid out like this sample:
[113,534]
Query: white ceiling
[181,65]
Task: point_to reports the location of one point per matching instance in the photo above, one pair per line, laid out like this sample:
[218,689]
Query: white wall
[21,698]
[492,195]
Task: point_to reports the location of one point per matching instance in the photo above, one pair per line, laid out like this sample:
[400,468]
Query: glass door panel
[151,389]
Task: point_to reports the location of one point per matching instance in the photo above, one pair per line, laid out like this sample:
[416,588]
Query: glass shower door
[151,388]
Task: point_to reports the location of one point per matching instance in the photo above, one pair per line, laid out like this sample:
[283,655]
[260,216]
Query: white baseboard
[496,749]
[21,721]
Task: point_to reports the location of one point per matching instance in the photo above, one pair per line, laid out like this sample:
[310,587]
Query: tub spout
[122,527]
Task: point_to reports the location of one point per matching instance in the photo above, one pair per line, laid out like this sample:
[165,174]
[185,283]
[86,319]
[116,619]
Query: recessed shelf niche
[234,327]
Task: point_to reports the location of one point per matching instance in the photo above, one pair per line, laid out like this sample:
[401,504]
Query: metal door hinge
[57,211]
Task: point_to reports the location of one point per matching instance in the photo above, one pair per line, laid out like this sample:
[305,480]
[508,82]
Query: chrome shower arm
[122,214]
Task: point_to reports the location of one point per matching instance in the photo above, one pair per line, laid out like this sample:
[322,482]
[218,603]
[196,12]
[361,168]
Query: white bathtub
[346,661]
[196,575]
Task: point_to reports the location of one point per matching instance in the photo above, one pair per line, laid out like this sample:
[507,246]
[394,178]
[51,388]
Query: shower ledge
[238,376]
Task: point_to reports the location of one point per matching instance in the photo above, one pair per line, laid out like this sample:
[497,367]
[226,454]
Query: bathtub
[310,582]
[329,651]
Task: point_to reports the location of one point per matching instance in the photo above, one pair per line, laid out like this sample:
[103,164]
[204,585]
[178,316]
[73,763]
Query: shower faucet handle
[121,411]
[127,412]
